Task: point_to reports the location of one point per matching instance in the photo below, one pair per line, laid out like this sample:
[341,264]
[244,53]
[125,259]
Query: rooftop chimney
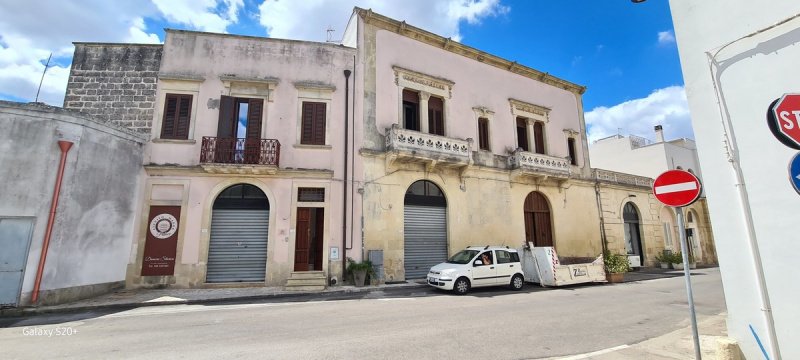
[659,134]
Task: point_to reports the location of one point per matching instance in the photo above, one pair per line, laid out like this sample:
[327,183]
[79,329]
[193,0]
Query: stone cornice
[527,109]
[402,28]
[179,170]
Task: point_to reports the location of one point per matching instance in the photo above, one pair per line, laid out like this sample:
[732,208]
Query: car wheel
[461,286]
[517,282]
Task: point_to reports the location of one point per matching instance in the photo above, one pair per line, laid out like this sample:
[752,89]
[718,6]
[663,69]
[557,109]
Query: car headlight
[447,274]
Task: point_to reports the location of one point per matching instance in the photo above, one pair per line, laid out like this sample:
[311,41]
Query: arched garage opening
[425,228]
[239,233]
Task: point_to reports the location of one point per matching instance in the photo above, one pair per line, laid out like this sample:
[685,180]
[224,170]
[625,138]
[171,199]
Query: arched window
[425,193]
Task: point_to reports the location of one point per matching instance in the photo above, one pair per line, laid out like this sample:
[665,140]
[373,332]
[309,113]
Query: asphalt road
[415,323]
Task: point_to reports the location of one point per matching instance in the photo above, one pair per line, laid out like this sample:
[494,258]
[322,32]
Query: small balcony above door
[410,146]
[524,163]
[240,155]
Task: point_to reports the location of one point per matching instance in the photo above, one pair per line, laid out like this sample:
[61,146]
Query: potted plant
[665,259]
[677,261]
[359,270]
[616,266]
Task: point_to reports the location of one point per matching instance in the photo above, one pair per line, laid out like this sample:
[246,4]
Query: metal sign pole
[687,277]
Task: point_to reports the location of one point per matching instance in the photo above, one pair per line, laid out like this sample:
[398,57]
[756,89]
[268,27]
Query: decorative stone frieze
[528,110]
[427,83]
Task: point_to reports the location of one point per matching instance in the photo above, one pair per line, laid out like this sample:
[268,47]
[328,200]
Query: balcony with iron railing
[240,155]
[405,145]
[539,165]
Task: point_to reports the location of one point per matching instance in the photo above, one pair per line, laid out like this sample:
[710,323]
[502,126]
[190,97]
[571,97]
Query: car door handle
[510,265]
[491,267]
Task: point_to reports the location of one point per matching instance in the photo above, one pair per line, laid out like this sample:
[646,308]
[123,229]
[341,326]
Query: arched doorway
[633,238]
[425,228]
[237,249]
[693,235]
[538,227]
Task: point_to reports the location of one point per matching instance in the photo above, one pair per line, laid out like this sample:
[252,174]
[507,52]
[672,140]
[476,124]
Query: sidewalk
[122,299]
[676,345]
[125,299]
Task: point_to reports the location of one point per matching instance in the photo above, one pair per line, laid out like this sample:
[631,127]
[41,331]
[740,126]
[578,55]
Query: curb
[29,311]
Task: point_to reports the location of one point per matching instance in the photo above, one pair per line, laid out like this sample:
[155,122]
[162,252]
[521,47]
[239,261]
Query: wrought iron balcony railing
[247,151]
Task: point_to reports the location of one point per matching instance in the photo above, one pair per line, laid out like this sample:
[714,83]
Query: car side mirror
[478,263]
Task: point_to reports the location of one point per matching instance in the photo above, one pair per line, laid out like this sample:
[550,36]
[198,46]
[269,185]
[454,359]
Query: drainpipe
[64,146]
[344,174]
[600,209]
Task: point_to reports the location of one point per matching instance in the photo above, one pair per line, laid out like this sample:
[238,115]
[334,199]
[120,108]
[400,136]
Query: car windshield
[463,257]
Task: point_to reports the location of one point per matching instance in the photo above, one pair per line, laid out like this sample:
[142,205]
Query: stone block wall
[115,83]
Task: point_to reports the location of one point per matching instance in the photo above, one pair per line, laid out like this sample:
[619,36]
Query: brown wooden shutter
[538,134]
[177,112]
[436,116]
[224,152]
[483,133]
[571,147]
[313,123]
[226,127]
[255,112]
[410,96]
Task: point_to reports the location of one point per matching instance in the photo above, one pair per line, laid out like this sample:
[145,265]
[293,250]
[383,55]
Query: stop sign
[784,120]
[676,188]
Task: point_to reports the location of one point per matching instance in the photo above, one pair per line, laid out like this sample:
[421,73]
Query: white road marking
[595,353]
[395,299]
[664,189]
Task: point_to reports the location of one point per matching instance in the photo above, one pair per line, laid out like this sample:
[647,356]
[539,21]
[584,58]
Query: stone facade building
[115,83]
[271,161]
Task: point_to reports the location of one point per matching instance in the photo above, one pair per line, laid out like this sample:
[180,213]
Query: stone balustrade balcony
[410,146]
[538,165]
[622,178]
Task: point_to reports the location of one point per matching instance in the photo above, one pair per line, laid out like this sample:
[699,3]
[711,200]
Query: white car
[478,266]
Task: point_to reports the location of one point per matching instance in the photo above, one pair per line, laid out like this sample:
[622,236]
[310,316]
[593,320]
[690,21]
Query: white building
[641,156]
[738,56]
[644,157]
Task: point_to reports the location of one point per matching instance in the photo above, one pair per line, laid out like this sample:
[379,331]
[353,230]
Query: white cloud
[31,31]
[666,107]
[200,14]
[666,37]
[309,19]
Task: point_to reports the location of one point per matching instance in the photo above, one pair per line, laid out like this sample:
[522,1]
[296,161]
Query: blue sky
[624,53]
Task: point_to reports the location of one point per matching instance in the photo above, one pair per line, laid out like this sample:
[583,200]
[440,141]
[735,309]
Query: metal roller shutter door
[425,239]
[238,247]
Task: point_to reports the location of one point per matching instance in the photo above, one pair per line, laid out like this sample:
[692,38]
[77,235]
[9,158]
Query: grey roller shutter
[238,247]
[425,239]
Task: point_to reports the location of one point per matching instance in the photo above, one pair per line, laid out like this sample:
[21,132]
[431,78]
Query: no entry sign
[676,188]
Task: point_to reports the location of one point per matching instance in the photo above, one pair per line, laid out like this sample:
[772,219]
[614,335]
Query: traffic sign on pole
[676,188]
[794,172]
[783,119]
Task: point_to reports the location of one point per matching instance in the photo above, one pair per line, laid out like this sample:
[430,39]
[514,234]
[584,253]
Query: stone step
[306,282]
[307,275]
[306,288]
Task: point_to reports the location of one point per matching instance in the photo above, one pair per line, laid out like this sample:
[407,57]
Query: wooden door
[538,136]
[522,134]
[537,220]
[302,244]
[318,236]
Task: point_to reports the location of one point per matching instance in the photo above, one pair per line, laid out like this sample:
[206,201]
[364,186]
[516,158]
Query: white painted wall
[617,154]
[751,73]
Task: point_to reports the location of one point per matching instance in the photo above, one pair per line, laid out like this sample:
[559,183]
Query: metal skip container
[541,265]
